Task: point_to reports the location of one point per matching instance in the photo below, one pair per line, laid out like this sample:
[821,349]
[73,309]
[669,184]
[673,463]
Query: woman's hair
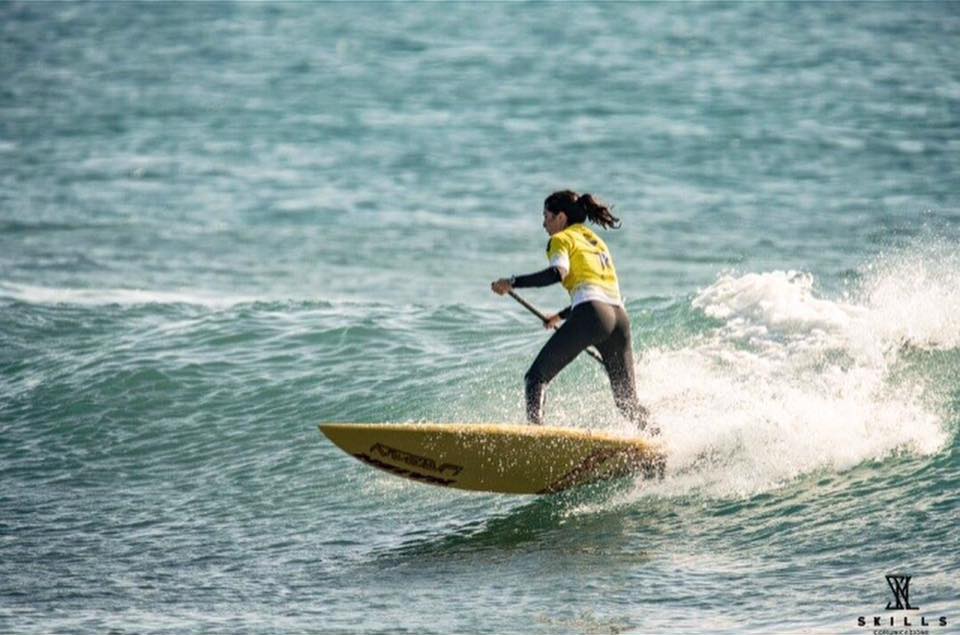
[580,207]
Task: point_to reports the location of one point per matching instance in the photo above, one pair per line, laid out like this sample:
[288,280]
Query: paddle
[543,318]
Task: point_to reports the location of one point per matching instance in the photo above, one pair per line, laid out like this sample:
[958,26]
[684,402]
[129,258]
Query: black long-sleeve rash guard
[550,275]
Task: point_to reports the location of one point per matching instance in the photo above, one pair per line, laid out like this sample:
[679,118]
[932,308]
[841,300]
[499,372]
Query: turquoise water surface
[224,223]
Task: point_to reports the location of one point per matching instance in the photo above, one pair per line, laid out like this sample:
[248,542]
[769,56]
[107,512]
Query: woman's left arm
[544,278]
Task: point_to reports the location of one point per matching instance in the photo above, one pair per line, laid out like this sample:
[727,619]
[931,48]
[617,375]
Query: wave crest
[788,381]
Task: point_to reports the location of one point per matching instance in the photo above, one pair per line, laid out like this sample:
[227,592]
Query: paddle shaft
[543,318]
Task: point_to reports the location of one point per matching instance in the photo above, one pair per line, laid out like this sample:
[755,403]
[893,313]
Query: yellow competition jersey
[590,274]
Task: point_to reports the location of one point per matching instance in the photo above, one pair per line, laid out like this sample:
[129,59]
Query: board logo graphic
[900,585]
[414,460]
[386,458]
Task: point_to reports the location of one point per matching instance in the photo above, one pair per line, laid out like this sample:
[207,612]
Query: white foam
[125,297]
[913,297]
[775,301]
[791,382]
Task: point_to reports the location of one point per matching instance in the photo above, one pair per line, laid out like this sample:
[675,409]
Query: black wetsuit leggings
[594,323]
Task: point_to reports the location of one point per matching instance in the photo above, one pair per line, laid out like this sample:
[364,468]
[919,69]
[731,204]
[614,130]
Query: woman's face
[554,223]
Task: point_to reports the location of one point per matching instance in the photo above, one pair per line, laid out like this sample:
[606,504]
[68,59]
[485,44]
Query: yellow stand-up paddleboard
[509,459]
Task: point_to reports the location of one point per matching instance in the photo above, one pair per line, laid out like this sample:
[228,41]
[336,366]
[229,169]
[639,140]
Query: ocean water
[224,223]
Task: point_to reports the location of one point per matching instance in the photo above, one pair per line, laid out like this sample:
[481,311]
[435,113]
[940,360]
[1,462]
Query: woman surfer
[580,260]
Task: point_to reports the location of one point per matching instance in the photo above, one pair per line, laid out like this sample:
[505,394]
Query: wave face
[223,224]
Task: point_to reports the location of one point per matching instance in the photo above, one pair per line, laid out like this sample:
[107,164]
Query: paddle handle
[528,306]
[543,318]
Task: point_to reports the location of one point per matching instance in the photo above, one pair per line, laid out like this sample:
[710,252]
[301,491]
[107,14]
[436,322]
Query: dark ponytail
[580,207]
